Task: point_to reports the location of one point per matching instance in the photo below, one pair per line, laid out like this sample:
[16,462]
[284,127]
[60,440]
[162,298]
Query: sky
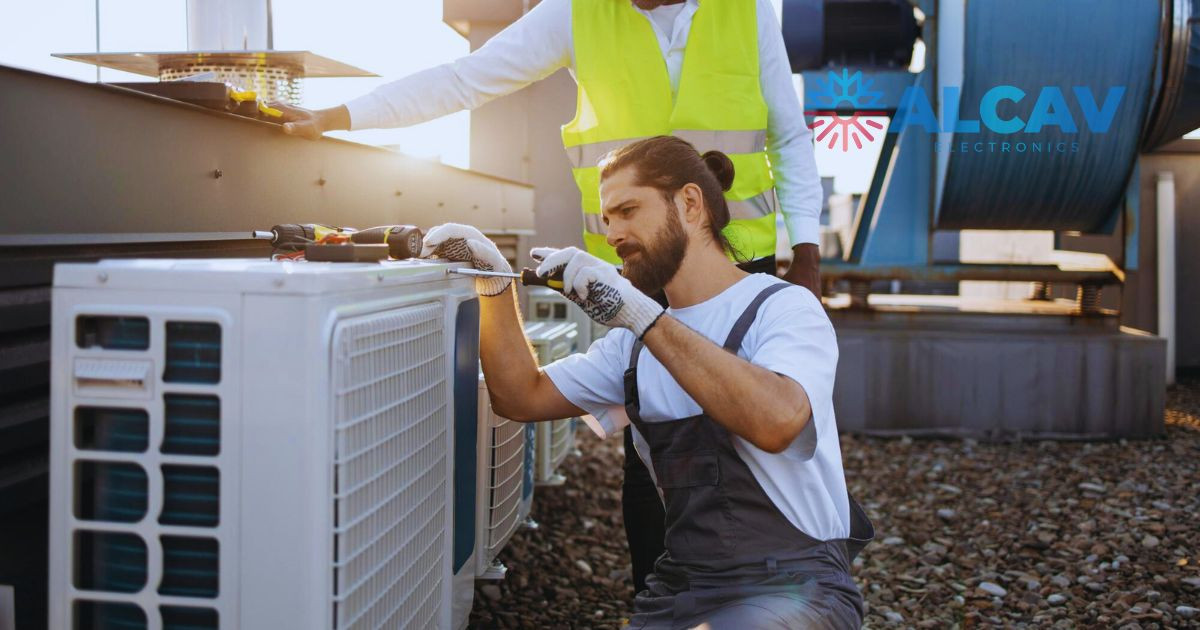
[401,37]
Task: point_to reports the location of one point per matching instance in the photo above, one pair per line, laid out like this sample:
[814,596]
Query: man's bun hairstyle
[668,164]
[721,167]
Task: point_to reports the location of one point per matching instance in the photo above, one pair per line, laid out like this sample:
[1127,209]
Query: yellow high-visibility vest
[625,95]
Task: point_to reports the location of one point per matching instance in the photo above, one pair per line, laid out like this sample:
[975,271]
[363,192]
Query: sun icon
[843,101]
[847,129]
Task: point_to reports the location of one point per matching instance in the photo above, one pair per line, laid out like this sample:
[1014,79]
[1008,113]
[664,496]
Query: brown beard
[658,261]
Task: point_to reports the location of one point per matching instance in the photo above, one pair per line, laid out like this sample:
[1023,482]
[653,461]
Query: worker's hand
[463,243]
[596,286]
[311,124]
[805,269]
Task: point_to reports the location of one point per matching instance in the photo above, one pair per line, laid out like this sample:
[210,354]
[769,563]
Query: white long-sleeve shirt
[541,42]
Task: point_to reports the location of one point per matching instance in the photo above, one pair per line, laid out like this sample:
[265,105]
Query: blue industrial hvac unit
[1021,115]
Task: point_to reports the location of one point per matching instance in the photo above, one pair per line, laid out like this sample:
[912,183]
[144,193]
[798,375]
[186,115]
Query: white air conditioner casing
[554,439]
[256,444]
[548,305]
[500,486]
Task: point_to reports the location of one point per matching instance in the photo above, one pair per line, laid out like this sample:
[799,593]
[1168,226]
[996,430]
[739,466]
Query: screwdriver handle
[530,278]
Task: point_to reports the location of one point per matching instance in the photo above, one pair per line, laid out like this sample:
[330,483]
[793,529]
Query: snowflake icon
[842,100]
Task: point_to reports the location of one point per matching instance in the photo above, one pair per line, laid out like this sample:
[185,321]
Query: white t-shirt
[791,336]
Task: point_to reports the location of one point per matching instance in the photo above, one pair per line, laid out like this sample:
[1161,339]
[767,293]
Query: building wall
[518,137]
[1139,294]
[1141,299]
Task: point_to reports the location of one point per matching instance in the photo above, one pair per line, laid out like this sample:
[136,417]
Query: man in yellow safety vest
[714,72]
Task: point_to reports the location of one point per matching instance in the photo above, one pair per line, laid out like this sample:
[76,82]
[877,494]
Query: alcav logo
[845,103]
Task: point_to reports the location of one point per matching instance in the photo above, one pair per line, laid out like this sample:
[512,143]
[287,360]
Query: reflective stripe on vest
[749,209]
[585,155]
[719,106]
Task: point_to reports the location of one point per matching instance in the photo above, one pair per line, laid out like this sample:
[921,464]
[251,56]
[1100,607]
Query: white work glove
[597,287]
[463,243]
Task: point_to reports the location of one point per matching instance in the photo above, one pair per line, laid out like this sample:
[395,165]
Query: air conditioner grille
[192,424]
[390,376]
[504,492]
[562,440]
[108,615]
[108,429]
[193,353]
[112,333]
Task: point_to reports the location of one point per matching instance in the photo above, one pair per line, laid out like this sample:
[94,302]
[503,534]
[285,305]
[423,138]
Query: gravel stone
[1021,515]
[490,591]
[992,589]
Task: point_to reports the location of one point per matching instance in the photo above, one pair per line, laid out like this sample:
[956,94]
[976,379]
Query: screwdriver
[528,277]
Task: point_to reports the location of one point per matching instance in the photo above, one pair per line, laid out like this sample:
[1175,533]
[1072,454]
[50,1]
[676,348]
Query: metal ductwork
[856,33]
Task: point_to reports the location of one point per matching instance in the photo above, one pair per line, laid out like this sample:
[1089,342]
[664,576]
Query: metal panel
[87,158]
[997,376]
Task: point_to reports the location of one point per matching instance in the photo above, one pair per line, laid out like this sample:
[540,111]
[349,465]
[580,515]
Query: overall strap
[633,406]
[734,341]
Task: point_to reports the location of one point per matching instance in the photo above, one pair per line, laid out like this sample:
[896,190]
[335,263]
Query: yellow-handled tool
[527,277]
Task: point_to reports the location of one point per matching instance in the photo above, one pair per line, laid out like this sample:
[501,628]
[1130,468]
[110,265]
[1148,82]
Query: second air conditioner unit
[555,439]
[501,504]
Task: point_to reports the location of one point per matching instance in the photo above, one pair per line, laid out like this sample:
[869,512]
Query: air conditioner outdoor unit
[254,444]
[548,305]
[555,439]
[500,487]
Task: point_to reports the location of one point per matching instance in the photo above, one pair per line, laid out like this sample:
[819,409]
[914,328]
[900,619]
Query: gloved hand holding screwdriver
[595,285]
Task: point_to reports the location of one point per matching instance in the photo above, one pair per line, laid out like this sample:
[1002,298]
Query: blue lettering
[1099,119]
[991,100]
[915,110]
[951,109]
[1051,109]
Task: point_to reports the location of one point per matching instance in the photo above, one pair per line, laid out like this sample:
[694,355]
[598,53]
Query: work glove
[463,243]
[599,289]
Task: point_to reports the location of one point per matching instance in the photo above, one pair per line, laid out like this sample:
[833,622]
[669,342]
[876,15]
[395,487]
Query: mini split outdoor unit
[553,440]
[548,305]
[505,485]
[255,444]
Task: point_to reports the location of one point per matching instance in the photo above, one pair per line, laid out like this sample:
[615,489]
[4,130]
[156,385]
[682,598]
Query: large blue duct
[1059,177]
[1066,175]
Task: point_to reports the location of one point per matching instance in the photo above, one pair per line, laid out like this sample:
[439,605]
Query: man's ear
[691,200]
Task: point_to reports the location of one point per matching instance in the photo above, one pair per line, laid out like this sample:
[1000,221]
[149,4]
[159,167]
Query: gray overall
[732,560]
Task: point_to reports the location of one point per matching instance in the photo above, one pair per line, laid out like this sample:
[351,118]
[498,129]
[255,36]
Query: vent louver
[118,493]
[193,353]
